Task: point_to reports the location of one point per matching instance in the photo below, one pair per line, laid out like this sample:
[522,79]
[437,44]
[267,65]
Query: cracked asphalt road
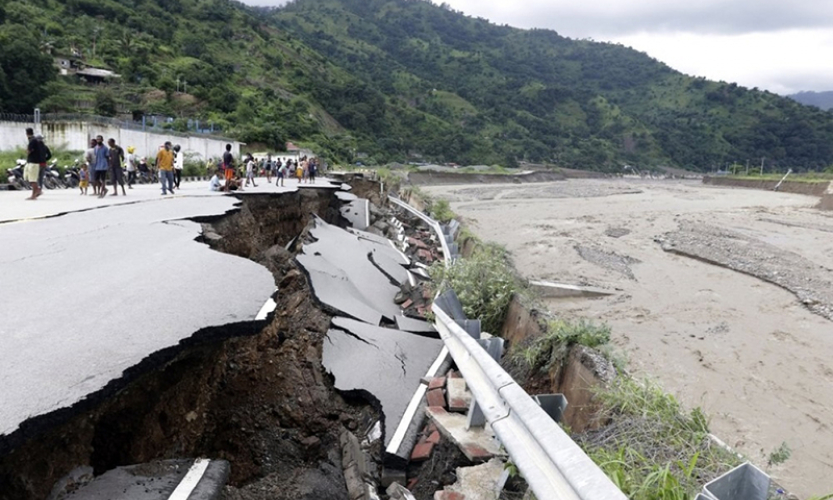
[89,294]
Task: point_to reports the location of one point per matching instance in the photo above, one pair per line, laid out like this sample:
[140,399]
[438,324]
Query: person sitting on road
[214,184]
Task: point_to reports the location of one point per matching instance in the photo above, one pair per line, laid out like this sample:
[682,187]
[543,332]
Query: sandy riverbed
[746,350]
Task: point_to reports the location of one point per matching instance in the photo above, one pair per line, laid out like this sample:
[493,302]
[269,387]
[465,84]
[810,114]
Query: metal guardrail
[447,258]
[554,466]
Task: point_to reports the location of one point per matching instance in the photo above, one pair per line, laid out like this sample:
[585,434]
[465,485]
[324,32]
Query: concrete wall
[76,136]
[808,188]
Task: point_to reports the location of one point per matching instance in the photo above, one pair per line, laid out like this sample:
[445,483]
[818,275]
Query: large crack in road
[252,393]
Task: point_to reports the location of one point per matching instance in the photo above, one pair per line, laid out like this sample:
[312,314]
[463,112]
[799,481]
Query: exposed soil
[746,350]
[253,394]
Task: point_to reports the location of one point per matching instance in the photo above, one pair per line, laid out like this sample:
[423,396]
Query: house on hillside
[74,65]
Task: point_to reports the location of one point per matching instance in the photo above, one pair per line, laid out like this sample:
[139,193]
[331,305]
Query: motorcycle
[52,176]
[72,177]
[15,176]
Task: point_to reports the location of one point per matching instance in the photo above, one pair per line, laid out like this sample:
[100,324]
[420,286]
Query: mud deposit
[743,344]
[255,395]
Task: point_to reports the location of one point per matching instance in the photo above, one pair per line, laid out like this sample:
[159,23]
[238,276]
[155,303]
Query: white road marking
[191,479]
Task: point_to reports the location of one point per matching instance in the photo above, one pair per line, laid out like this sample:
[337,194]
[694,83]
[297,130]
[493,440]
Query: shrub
[484,283]
[441,211]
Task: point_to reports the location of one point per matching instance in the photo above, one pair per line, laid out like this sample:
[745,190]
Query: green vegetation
[484,283]
[441,211]
[779,455]
[553,347]
[650,447]
[395,80]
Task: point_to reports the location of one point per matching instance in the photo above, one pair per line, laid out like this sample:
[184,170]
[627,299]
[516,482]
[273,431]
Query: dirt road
[714,291]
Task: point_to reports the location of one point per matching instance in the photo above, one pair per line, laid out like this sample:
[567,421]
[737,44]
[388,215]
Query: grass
[552,347]
[651,448]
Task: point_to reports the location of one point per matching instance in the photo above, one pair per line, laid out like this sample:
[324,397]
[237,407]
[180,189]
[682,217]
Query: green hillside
[397,80]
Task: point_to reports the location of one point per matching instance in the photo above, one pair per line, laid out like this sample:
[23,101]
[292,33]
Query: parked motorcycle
[15,176]
[72,176]
[52,176]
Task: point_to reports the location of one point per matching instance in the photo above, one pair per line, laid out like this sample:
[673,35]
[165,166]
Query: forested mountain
[823,100]
[397,79]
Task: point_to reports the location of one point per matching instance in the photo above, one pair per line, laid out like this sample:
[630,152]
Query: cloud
[783,62]
[617,17]
[770,44]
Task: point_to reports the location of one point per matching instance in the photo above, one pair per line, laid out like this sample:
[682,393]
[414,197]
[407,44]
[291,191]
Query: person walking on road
[250,171]
[282,173]
[102,164]
[89,157]
[179,164]
[165,166]
[116,173]
[45,155]
[33,161]
[131,162]
[228,166]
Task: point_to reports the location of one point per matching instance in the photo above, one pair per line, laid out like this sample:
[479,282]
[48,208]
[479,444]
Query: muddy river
[718,336]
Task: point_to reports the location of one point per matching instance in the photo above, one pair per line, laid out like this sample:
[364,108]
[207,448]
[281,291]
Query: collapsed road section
[159,349]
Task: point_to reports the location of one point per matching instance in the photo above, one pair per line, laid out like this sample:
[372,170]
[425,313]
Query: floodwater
[746,351]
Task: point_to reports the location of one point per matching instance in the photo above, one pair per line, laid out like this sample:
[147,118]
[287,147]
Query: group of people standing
[305,170]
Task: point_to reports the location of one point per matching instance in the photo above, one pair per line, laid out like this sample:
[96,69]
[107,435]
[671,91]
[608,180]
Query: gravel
[609,260]
[811,283]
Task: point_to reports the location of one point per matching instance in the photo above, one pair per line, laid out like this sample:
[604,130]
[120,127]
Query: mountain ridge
[403,80]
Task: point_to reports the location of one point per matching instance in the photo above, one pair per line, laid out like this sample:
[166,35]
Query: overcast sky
[780,45]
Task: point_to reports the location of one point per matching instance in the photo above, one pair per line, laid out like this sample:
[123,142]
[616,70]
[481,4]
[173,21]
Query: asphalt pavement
[90,293]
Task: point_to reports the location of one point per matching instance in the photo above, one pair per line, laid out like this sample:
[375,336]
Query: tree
[24,70]
[105,103]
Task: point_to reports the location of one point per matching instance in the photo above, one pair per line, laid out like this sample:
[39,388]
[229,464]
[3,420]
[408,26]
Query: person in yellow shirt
[165,165]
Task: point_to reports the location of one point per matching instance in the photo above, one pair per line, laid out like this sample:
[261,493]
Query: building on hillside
[74,65]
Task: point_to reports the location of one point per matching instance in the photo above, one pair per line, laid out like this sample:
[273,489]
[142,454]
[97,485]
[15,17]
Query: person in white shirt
[131,162]
[179,163]
[250,171]
[215,184]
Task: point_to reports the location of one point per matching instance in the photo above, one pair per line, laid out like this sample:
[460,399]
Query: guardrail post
[553,404]
[476,417]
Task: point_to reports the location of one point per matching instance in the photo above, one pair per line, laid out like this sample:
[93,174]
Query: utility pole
[762,166]
[747,166]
